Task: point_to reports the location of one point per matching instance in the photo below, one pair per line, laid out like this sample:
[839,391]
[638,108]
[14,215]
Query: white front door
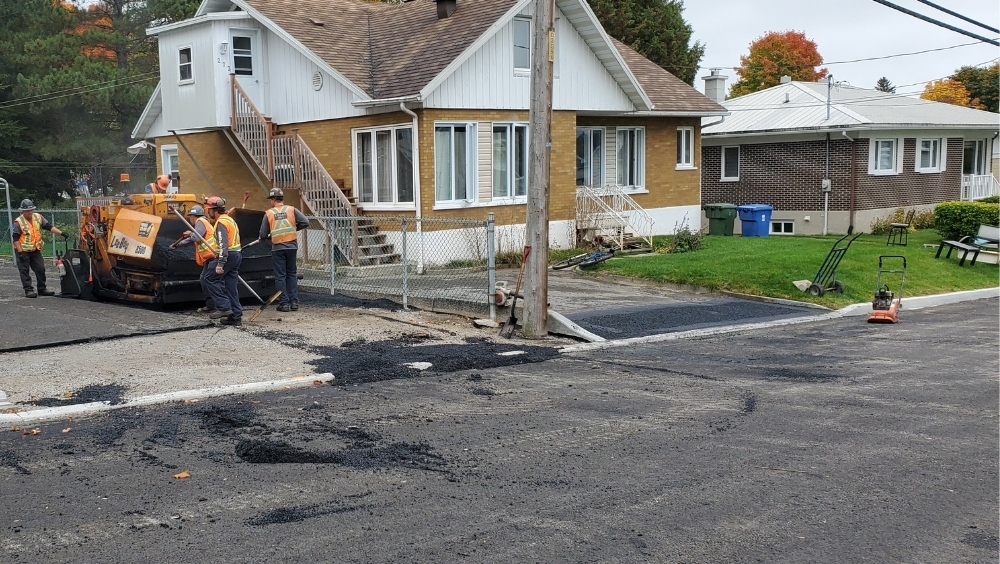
[245,62]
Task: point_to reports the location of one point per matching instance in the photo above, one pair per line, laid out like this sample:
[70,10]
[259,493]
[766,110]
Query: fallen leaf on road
[15,429]
[68,395]
[66,430]
[182,475]
[190,401]
[317,382]
[32,431]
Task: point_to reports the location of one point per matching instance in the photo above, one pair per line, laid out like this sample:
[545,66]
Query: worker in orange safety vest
[206,248]
[28,244]
[223,270]
[281,225]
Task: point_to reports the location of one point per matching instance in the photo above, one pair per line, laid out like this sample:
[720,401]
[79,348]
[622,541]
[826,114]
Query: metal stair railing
[252,129]
[609,207]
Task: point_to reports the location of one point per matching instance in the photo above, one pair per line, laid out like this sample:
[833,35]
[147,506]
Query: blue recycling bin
[755,219]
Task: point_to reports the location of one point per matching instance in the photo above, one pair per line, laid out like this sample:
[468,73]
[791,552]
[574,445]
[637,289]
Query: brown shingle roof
[667,92]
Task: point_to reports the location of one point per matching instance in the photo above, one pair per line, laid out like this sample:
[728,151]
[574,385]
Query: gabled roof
[152,111]
[667,92]
[802,106]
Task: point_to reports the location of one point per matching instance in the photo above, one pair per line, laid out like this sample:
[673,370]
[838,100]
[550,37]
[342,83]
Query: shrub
[684,239]
[880,225]
[990,200]
[923,219]
[954,220]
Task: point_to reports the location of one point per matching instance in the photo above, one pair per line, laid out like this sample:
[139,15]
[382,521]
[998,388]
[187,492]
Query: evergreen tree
[774,55]
[655,29]
[883,85]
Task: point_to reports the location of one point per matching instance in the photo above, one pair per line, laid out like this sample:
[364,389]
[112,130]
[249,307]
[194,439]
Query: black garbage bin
[721,218]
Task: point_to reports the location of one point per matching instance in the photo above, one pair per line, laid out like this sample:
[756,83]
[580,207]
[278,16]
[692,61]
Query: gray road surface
[830,442]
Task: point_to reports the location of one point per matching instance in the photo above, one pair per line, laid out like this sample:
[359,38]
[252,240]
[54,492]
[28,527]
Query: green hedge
[954,220]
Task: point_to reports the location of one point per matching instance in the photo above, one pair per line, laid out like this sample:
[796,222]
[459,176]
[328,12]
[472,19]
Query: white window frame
[520,71]
[936,155]
[685,140]
[874,167]
[166,151]
[784,223]
[509,196]
[190,64]
[722,162]
[375,203]
[602,151]
[471,173]
[639,157]
[254,49]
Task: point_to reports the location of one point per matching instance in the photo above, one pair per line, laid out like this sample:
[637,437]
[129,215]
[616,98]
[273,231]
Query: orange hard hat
[163,181]
[215,202]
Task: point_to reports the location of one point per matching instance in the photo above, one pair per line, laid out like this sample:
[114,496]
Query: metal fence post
[331,225]
[491,257]
[406,268]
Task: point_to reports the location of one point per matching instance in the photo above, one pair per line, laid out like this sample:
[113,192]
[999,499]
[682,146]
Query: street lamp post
[10,215]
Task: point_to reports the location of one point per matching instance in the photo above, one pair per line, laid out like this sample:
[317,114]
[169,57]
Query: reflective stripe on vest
[31,233]
[282,222]
[205,252]
[232,230]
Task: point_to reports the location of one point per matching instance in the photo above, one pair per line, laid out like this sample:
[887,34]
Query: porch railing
[610,211]
[252,128]
[978,186]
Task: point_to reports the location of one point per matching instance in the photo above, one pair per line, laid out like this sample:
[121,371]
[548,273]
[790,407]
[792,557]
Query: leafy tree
[655,29]
[774,55]
[950,92]
[883,85]
[982,83]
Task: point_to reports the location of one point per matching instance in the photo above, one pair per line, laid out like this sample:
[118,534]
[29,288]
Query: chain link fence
[436,264]
[67,220]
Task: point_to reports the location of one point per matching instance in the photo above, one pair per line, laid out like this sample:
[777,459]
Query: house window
[590,156]
[685,147]
[885,156]
[454,162]
[384,165]
[974,157]
[730,163]
[522,44]
[631,157]
[928,155]
[185,65]
[170,163]
[242,55]
[510,160]
[783,227]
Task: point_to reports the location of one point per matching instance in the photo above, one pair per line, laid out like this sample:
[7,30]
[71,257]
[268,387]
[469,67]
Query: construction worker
[223,275]
[206,248]
[160,186]
[27,237]
[281,224]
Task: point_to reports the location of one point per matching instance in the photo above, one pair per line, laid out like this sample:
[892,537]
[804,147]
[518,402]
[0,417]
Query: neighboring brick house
[880,152]
[418,108]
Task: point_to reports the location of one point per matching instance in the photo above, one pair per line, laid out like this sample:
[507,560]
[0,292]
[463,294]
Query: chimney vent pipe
[445,8]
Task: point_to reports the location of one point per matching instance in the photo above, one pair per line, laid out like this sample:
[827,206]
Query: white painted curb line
[853,310]
[86,408]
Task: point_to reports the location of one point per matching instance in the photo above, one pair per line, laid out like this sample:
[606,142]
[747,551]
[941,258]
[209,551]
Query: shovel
[508,328]
[267,303]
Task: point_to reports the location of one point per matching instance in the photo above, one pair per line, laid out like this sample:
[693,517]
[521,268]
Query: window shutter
[485,161]
[611,155]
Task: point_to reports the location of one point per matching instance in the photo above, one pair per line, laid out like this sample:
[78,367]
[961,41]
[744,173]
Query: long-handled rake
[507,331]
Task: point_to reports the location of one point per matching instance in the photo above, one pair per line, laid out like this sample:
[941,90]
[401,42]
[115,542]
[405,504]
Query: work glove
[65,236]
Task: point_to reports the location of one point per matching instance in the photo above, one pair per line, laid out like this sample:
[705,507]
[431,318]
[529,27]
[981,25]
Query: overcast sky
[846,30]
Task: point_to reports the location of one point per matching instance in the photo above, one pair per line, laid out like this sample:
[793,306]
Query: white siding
[485,161]
[487,80]
[611,155]
[188,106]
[289,87]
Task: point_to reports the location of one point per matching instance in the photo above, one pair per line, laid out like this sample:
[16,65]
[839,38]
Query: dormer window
[522,45]
[185,65]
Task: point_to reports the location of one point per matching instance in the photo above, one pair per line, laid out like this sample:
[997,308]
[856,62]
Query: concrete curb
[50,413]
[853,310]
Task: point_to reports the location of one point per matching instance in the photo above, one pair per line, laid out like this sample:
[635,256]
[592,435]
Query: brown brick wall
[788,176]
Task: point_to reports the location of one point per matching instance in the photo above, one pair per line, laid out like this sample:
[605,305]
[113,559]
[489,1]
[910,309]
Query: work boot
[231,321]
[283,308]
[220,314]
[45,292]
[30,294]
[206,309]
[294,306]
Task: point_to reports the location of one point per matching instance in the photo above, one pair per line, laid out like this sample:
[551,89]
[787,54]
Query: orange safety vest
[205,252]
[232,230]
[282,222]
[31,233]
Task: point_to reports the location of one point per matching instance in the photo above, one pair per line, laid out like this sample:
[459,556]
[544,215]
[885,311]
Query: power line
[959,16]
[29,99]
[936,22]
[38,101]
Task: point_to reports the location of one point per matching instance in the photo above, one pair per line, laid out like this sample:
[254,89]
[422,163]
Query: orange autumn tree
[950,92]
[774,55]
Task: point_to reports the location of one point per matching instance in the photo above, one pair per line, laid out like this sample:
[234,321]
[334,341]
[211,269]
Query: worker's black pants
[35,262]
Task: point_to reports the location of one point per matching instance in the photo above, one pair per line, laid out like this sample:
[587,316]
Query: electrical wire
[127,82]
[936,22]
[959,16]
[29,99]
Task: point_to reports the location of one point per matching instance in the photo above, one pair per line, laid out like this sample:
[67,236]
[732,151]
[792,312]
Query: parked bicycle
[585,260]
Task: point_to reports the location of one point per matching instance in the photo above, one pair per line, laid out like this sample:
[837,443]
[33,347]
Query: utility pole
[536,290]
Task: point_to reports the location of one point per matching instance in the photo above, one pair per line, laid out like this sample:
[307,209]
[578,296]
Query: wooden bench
[987,238]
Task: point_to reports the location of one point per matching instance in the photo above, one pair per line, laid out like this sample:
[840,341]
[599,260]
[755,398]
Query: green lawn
[766,266]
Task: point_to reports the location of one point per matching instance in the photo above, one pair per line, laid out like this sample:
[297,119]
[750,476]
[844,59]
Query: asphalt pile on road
[111,393]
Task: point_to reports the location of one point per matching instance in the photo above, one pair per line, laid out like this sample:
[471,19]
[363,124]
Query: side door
[245,62]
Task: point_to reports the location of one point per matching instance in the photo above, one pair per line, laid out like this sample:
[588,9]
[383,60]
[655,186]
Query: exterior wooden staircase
[288,163]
